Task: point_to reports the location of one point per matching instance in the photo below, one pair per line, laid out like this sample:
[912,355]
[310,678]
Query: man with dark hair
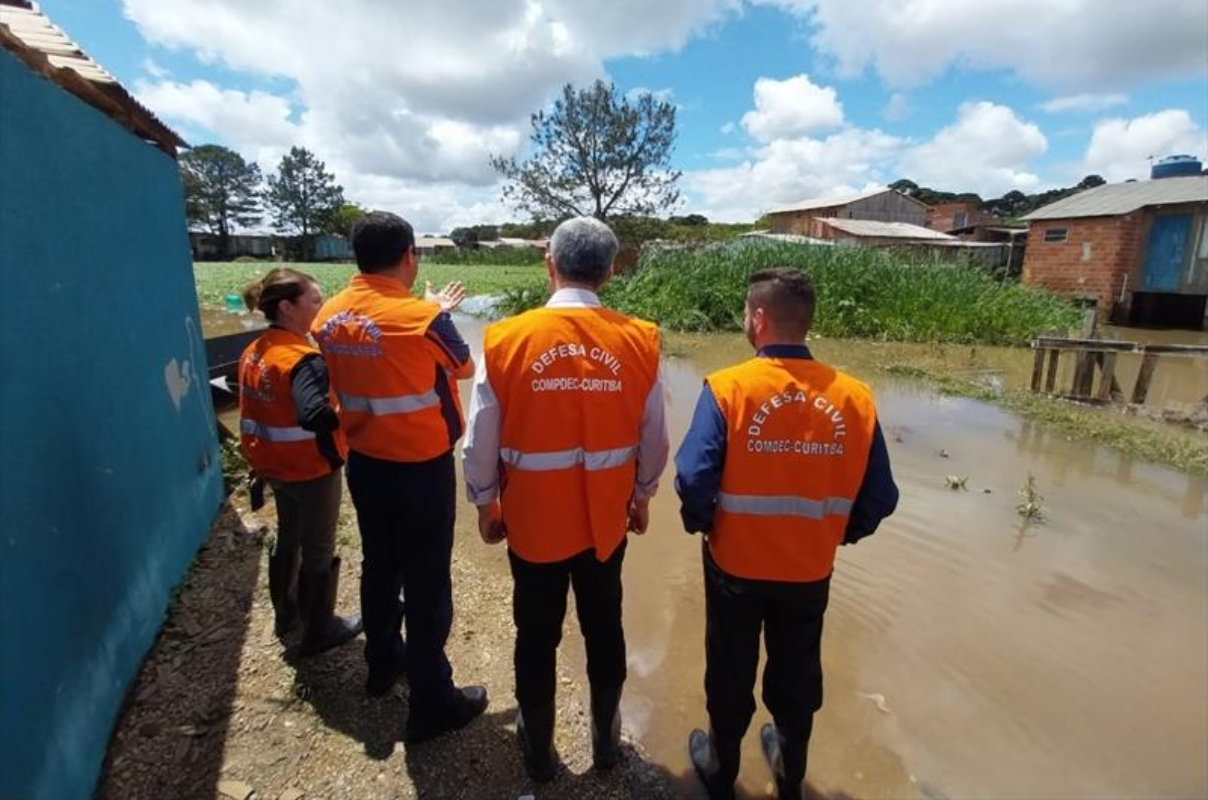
[784,461]
[566,444]
[394,359]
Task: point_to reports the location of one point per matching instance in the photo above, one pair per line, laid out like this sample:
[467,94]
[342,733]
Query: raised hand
[448,298]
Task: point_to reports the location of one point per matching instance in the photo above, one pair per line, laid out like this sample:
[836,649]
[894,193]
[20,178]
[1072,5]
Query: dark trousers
[307,512]
[790,616]
[539,607]
[405,513]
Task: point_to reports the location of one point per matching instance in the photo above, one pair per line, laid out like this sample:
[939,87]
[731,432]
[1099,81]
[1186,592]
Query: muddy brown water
[966,654]
[1063,660]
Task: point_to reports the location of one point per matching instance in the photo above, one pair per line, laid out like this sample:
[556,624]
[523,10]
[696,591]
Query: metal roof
[49,51]
[1114,199]
[434,241]
[884,230]
[840,200]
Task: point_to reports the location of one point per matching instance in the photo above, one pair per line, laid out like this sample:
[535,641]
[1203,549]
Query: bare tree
[597,154]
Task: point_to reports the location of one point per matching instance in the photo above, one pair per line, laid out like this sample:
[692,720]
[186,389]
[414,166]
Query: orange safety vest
[385,370]
[798,435]
[272,441]
[571,384]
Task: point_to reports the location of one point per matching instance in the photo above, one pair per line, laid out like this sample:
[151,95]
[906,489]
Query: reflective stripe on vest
[591,460]
[783,505]
[384,406]
[572,386]
[251,427]
[798,436]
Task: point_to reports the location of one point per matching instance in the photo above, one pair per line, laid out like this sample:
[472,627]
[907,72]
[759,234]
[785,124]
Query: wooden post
[1037,369]
[1108,377]
[1050,380]
[1141,389]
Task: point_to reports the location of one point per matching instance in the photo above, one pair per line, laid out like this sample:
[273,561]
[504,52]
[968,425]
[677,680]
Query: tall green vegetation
[862,293]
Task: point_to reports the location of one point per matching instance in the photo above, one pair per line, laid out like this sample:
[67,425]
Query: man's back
[572,386]
[389,371]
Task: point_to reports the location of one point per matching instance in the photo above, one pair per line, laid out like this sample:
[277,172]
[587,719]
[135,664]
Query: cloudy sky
[778,100]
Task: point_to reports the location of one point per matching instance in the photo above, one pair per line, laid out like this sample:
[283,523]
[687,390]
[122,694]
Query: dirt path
[217,712]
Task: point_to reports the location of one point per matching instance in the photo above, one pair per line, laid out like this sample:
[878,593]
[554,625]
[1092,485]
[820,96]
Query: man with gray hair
[567,439]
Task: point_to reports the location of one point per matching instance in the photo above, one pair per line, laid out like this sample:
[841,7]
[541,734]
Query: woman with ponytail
[290,434]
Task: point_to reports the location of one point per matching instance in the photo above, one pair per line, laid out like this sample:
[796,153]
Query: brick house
[949,217]
[878,205]
[1138,251]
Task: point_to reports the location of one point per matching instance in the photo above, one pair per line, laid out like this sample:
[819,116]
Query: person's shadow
[483,759]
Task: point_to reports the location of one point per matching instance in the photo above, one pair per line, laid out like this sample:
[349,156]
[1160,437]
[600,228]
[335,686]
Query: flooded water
[966,655]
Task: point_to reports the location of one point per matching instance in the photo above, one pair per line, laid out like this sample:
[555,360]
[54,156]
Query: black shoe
[605,727]
[283,590]
[535,733]
[467,703]
[321,628]
[786,759]
[380,680]
[717,769]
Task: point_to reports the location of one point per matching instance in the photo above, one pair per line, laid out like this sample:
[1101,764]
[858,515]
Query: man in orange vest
[566,442]
[393,358]
[783,461]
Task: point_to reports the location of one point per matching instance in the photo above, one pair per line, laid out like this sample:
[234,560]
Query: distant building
[871,233]
[951,217]
[876,205]
[431,245]
[1138,251]
[114,475]
[207,246]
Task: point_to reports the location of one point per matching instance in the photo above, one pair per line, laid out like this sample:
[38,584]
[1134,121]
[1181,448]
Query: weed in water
[1031,508]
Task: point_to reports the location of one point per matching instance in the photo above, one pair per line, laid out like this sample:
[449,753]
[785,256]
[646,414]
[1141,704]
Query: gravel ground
[217,712]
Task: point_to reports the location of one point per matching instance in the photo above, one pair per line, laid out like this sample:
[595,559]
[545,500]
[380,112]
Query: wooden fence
[1091,355]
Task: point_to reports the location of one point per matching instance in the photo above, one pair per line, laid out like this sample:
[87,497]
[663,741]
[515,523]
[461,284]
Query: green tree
[598,154]
[343,219]
[471,235]
[303,197]
[222,191]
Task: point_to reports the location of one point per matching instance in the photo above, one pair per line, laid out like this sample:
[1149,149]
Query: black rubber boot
[786,758]
[605,727]
[535,734]
[716,762]
[283,590]
[466,704]
[321,628]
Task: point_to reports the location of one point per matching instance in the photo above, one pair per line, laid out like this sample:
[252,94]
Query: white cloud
[414,95]
[1086,102]
[898,108]
[150,67]
[661,95]
[988,150]
[1120,148]
[729,128]
[1080,44]
[792,107]
[788,170]
[257,124]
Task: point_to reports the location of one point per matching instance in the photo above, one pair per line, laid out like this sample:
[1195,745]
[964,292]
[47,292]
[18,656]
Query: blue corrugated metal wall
[110,475]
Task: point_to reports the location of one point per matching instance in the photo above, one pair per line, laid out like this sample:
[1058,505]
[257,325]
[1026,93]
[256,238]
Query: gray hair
[583,249]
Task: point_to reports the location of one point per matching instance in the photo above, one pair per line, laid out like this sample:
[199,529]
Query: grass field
[216,279]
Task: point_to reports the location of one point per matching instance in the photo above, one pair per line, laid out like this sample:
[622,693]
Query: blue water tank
[1176,167]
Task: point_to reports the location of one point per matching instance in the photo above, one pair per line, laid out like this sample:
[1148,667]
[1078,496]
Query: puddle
[966,655]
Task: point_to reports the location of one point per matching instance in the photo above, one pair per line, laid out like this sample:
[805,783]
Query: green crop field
[216,279]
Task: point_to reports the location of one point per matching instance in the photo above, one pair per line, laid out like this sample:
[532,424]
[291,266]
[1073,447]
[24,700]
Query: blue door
[1167,245]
